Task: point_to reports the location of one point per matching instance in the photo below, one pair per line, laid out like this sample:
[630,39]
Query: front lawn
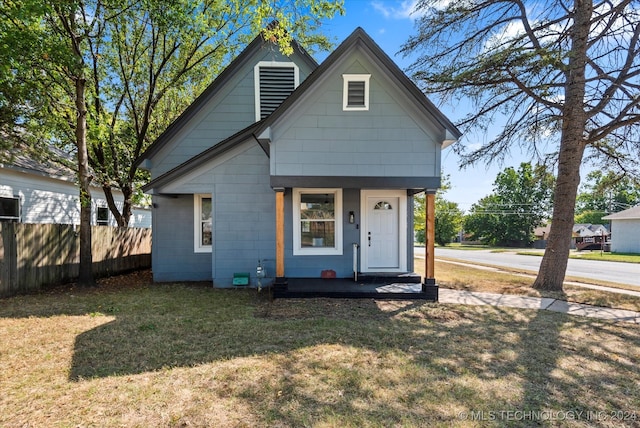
[590,255]
[176,355]
[461,276]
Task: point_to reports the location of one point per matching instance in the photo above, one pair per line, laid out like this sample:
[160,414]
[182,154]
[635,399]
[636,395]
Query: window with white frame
[274,82]
[203,232]
[317,215]
[102,216]
[355,91]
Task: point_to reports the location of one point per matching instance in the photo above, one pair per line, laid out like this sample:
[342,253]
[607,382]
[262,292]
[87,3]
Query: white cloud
[397,10]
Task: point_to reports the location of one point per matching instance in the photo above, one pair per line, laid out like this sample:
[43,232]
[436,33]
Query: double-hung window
[203,232]
[317,217]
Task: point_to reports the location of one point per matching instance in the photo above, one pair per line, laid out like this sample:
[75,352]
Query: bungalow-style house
[308,169]
[44,191]
[625,230]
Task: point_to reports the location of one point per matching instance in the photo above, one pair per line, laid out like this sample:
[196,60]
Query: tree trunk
[554,262]
[122,219]
[572,144]
[127,204]
[85,277]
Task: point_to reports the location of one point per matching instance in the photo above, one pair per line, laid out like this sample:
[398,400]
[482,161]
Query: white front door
[383,231]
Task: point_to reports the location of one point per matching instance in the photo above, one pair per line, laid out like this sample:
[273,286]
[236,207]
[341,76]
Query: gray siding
[244,229]
[244,216]
[243,222]
[172,257]
[232,110]
[391,139]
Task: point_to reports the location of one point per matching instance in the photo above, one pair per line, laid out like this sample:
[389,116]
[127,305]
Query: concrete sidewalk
[542,303]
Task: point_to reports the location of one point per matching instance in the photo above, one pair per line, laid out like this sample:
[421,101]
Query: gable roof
[211,90]
[258,129]
[204,157]
[359,36]
[587,229]
[630,214]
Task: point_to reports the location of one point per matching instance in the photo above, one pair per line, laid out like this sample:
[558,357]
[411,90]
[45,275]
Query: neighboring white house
[625,230]
[33,191]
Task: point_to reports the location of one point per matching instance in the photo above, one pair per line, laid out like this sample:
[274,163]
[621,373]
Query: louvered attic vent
[276,84]
[355,91]
[355,94]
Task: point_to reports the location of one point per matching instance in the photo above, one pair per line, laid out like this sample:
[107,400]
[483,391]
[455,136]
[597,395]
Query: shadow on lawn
[541,348]
[402,363]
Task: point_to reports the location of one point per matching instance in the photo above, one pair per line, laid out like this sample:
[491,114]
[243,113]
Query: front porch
[391,257]
[383,287]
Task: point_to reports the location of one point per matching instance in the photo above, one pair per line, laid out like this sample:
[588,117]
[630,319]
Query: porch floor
[387,288]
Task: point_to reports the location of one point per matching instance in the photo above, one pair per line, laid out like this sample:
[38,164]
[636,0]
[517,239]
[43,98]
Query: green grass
[592,255]
[474,247]
[588,255]
[452,274]
[611,257]
[179,355]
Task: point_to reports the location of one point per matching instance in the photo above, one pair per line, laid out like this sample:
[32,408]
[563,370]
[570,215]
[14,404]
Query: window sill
[317,252]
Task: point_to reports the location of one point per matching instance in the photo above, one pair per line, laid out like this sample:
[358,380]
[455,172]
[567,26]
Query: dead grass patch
[492,280]
[175,355]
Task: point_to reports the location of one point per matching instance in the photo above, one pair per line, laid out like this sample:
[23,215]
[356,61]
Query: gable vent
[355,91]
[356,94]
[276,84]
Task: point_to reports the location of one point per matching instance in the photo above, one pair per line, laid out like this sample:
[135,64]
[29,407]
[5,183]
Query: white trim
[402,227]
[346,78]
[337,249]
[256,79]
[197,210]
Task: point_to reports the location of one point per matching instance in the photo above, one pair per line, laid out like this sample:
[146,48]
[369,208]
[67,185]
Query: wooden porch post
[280,282]
[429,283]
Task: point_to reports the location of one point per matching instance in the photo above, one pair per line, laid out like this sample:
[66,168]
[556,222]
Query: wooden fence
[36,255]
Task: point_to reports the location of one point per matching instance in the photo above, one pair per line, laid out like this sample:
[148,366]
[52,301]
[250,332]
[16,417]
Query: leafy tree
[104,69]
[589,217]
[156,57]
[448,219]
[483,222]
[518,204]
[563,75]
[605,193]
[58,34]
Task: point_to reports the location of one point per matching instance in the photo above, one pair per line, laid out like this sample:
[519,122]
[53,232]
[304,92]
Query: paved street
[622,273]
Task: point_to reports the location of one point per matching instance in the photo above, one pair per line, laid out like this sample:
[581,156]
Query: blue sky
[390,23]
